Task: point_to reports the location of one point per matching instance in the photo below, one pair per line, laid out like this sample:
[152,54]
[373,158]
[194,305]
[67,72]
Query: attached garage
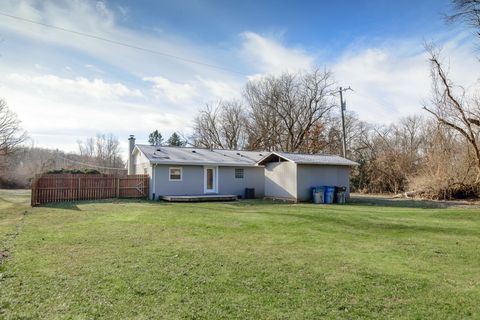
[291,176]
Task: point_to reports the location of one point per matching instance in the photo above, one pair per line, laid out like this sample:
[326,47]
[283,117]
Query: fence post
[33,197]
[118,187]
[78,188]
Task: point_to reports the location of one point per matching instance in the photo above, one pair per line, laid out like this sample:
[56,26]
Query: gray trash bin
[340,197]
[318,197]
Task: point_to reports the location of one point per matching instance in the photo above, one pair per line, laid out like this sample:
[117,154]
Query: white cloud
[392,80]
[94,68]
[175,92]
[219,89]
[198,89]
[60,112]
[271,56]
[96,88]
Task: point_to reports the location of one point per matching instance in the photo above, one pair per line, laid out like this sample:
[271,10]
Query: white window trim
[170,175]
[235,173]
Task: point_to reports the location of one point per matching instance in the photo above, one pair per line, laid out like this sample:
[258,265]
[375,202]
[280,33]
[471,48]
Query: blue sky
[340,21]
[66,87]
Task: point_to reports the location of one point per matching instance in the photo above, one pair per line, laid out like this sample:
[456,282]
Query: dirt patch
[3,255]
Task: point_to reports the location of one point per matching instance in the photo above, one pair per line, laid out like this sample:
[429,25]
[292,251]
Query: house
[182,171]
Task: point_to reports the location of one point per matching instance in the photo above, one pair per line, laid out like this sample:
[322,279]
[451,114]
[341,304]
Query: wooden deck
[200,198]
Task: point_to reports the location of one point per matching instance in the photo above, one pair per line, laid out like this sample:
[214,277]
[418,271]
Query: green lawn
[257,260]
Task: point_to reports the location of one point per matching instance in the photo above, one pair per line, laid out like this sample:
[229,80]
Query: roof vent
[194,151]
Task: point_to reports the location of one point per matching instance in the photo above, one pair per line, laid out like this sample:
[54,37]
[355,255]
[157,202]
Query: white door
[210,180]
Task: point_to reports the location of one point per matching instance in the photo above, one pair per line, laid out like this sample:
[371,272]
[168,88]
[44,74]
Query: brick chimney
[131,145]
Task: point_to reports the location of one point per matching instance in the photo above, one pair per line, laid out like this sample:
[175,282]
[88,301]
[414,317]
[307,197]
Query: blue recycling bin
[329,194]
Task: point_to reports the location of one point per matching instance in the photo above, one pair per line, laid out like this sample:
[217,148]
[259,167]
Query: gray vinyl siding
[309,176]
[191,183]
[281,180]
[252,178]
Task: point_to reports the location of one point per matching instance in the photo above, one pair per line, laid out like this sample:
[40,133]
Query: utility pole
[343,107]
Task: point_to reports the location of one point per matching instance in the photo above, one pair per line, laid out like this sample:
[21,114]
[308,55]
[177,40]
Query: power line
[124,44]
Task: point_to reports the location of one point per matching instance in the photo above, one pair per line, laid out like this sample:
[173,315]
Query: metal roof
[302,158]
[200,156]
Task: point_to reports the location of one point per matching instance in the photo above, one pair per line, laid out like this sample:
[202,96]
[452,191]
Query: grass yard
[241,260]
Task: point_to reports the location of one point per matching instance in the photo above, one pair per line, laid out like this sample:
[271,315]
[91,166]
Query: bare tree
[447,170]
[284,109]
[108,150]
[388,155]
[206,128]
[233,122]
[316,139]
[466,11]
[11,134]
[102,150]
[264,126]
[355,131]
[452,108]
[87,148]
[221,126]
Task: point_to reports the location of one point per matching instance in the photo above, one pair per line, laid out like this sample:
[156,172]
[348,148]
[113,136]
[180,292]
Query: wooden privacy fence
[49,188]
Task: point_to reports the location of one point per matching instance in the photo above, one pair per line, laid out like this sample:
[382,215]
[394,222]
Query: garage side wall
[309,176]
[252,178]
[281,180]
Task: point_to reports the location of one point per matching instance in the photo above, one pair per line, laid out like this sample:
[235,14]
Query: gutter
[153,177]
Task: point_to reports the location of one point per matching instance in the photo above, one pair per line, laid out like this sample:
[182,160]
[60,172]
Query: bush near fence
[48,188]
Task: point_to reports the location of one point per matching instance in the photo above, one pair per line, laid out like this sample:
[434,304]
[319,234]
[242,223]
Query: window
[239,173]
[175,174]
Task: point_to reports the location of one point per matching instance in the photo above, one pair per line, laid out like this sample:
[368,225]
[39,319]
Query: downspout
[153,183]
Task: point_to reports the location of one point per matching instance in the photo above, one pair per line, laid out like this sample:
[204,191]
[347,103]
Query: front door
[210,180]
